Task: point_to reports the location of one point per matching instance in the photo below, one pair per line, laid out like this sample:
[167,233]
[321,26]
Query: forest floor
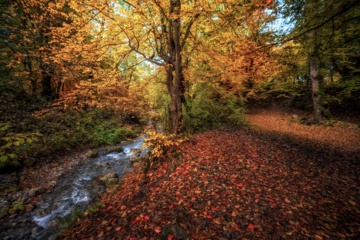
[276,180]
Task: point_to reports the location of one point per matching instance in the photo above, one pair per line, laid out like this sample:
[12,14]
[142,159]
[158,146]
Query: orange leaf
[118,229]
[217,221]
[146,218]
[236,227]
[158,229]
[109,208]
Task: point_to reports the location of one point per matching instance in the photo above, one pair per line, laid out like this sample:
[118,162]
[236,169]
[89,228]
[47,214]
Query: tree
[26,41]
[172,35]
[327,33]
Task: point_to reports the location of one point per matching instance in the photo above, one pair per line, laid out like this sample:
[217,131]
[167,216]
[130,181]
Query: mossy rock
[118,149]
[109,179]
[93,154]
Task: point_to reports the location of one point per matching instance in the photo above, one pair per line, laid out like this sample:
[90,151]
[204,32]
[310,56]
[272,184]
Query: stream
[75,191]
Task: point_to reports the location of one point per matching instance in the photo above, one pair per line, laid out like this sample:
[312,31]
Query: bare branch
[144,56]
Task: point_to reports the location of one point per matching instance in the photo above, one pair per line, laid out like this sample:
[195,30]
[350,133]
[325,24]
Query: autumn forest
[249,112]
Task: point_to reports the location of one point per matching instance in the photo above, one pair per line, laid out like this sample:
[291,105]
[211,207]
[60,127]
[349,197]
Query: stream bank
[58,191]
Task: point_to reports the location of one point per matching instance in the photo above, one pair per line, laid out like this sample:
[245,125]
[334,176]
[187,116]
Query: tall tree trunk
[314,76]
[174,72]
[314,65]
[176,101]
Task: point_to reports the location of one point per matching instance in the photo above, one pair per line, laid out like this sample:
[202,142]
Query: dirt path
[343,136]
[237,184]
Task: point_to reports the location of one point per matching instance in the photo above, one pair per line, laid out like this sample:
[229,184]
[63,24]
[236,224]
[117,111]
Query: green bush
[106,134]
[13,144]
[344,95]
[210,107]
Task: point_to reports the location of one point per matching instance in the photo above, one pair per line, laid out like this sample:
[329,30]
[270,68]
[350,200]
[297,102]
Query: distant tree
[328,32]
[26,42]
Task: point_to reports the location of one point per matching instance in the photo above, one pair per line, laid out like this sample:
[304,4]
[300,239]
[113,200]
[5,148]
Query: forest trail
[343,136]
[239,184]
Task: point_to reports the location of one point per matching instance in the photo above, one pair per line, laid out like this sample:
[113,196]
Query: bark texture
[174,71]
[314,76]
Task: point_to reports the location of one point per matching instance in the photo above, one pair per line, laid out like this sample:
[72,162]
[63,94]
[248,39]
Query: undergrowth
[162,147]
[26,136]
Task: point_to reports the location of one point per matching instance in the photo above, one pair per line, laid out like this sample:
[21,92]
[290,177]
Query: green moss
[70,220]
[16,206]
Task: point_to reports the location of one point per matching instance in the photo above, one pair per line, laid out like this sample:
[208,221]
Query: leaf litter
[235,184]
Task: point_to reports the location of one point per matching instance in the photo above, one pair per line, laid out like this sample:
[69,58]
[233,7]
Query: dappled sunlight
[342,135]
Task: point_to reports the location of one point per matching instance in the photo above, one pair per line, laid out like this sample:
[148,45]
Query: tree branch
[188,30]
[345,9]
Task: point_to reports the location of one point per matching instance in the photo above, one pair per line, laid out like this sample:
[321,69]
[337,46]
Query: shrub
[209,107]
[162,147]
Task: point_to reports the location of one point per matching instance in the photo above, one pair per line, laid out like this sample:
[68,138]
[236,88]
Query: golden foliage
[163,147]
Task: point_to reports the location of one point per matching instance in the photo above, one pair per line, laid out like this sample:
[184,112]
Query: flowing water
[76,190]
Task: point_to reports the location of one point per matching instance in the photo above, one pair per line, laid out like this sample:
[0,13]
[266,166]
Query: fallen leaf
[158,229]
[251,226]
[217,220]
[318,237]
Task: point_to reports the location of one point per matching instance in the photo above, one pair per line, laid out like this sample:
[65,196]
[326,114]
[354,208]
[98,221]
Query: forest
[250,110]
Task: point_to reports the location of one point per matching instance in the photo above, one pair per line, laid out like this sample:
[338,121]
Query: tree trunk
[175,106]
[174,71]
[314,76]
[46,85]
